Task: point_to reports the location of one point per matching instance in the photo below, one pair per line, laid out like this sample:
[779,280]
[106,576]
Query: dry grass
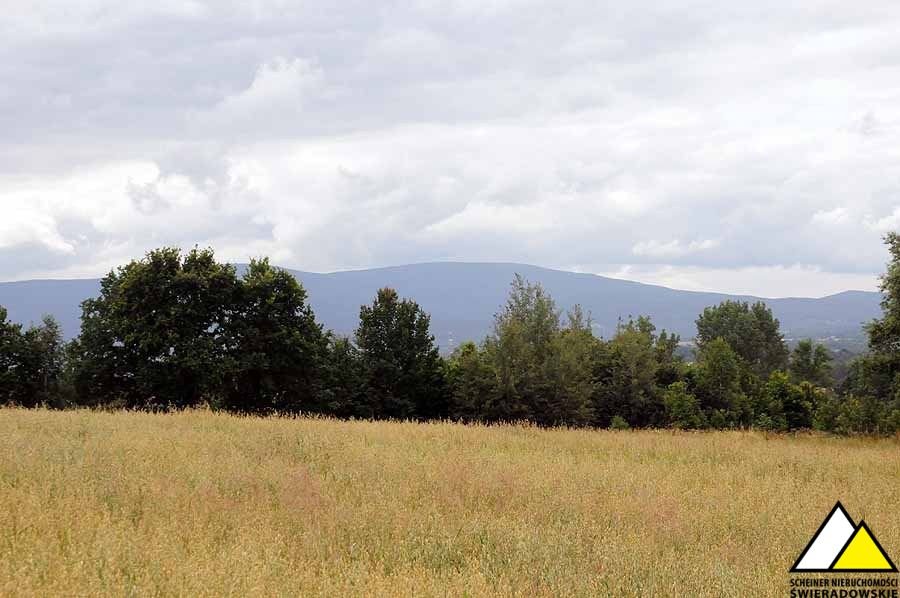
[205,504]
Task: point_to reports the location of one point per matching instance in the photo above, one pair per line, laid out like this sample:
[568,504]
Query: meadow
[199,503]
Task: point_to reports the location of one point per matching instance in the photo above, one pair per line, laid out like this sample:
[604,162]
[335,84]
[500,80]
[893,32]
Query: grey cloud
[146,198]
[352,134]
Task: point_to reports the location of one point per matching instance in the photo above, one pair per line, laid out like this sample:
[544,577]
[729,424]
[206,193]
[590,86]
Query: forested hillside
[462,299]
[177,330]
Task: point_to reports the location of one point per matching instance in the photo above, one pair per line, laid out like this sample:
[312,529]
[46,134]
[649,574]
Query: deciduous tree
[811,362]
[275,348]
[750,330]
[404,374]
[154,336]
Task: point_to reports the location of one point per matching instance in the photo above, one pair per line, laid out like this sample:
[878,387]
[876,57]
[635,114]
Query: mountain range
[463,297]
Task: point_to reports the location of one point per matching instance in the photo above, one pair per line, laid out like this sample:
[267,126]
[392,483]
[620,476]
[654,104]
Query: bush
[618,423]
[826,414]
[787,403]
[682,408]
[764,421]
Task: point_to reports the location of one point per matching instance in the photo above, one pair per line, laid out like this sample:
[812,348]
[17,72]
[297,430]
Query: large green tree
[521,349]
[574,356]
[543,371]
[750,330]
[11,349]
[31,363]
[403,369]
[274,347]
[155,336]
[625,374]
[878,374]
[884,333]
[44,357]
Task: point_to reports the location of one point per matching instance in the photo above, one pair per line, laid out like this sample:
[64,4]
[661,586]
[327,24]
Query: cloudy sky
[733,146]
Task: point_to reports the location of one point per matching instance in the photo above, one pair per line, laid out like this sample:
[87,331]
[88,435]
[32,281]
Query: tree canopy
[402,365]
[176,330]
[750,330]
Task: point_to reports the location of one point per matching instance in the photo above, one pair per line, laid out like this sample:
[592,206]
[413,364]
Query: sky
[746,147]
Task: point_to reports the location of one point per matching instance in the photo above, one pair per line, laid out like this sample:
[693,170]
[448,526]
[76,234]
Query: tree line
[177,330]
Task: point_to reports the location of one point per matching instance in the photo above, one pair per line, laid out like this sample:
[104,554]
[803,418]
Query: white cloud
[885,223]
[673,248]
[27,225]
[834,217]
[769,281]
[275,97]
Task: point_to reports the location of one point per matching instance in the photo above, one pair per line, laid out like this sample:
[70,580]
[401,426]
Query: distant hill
[462,298]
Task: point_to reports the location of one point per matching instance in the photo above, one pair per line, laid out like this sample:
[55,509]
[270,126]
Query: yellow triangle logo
[863,553]
[839,545]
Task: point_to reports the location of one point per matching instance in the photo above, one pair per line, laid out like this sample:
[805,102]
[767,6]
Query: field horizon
[204,503]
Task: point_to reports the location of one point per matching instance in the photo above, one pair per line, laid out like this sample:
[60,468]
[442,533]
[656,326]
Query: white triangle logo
[828,542]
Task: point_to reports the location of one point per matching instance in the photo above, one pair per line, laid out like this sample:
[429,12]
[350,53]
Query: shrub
[618,423]
[682,408]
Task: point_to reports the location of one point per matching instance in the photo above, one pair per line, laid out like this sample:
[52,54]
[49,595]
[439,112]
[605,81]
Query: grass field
[205,504]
